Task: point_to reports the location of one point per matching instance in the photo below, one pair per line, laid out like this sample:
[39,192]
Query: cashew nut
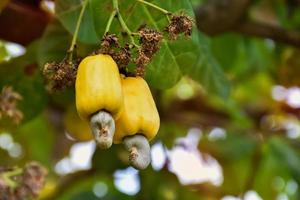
[103,129]
[139,151]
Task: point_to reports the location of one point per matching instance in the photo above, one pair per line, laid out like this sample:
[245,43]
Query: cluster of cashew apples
[119,109]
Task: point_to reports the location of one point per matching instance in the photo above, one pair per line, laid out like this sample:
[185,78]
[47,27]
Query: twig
[215,18]
[74,39]
[123,24]
[109,22]
[164,11]
[255,165]
[275,33]
[7,177]
[155,6]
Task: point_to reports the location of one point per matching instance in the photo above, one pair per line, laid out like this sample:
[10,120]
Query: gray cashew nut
[103,129]
[139,151]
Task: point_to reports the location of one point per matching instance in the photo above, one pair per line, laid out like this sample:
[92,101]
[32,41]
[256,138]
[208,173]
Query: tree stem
[123,24]
[109,22]
[74,39]
[7,177]
[154,6]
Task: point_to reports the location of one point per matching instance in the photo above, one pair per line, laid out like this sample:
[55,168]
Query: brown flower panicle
[108,43]
[60,75]
[150,43]
[34,178]
[27,184]
[121,55]
[8,104]
[180,24]
[141,61]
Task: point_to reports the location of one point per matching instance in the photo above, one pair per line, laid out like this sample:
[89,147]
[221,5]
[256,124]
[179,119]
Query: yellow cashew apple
[98,86]
[139,115]
[99,97]
[75,126]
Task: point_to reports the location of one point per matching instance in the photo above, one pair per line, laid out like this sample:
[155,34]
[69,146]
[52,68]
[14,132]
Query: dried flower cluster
[60,75]
[123,57]
[150,43]
[180,24]
[24,185]
[63,74]
[8,104]
[110,45]
[149,40]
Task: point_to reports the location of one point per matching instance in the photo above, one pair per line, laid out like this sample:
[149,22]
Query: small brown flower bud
[180,24]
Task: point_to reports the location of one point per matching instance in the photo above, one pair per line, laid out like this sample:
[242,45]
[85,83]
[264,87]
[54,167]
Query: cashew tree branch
[219,16]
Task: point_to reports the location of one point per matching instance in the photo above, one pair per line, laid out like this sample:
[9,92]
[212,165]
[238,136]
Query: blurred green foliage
[231,77]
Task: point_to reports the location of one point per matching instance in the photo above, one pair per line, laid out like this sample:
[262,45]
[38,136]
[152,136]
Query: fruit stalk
[139,151]
[123,24]
[109,22]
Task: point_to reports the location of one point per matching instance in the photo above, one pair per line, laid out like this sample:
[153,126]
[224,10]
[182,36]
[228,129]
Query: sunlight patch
[80,158]
[127,181]
[189,165]
[158,156]
[100,189]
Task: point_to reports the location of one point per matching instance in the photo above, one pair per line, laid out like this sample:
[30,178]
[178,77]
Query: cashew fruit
[139,115]
[99,97]
[139,121]
[98,87]
[75,126]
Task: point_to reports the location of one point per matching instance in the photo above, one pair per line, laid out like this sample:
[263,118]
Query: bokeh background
[229,130]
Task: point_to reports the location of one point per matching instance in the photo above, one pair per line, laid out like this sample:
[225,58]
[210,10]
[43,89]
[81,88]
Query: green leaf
[34,95]
[38,137]
[197,2]
[236,175]
[196,61]
[82,188]
[234,147]
[185,56]
[111,157]
[101,10]
[3,52]
[280,164]
[288,156]
[68,11]
[190,57]
[54,43]
[287,14]
[23,74]
[169,132]
[164,71]
[224,48]
[206,69]
[254,56]
[259,54]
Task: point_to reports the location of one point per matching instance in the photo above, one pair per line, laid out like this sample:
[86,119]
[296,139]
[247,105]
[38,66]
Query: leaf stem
[109,22]
[116,5]
[123,24]
[7,177]
[135,34]
[155,6]
[128,31]
[74,39]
